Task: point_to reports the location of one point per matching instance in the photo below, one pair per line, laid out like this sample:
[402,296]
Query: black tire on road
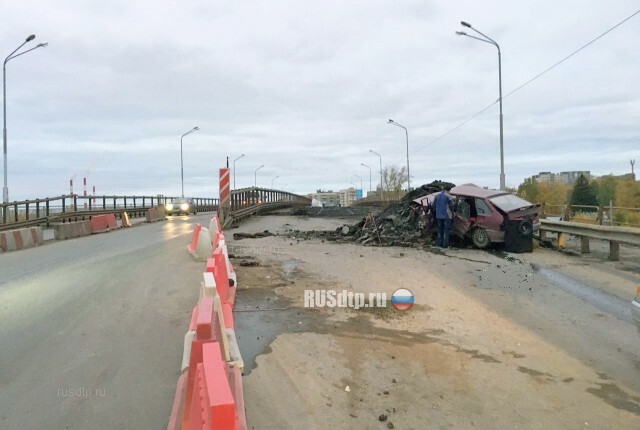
[480,238]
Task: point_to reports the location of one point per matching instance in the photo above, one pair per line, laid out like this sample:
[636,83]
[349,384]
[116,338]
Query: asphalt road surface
[91,329]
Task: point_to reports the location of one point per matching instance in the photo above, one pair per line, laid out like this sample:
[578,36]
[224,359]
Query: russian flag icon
[402,299]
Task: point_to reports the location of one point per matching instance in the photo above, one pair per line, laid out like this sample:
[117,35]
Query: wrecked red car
[491,216]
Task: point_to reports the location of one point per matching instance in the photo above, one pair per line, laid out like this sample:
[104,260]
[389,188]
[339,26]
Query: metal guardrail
[602,215]
[72,207]
[615,235]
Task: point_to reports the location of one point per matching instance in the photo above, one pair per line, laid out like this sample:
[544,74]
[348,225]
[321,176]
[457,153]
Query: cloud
[305,88]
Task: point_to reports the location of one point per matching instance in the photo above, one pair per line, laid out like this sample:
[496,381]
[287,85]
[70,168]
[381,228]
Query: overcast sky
[306,88]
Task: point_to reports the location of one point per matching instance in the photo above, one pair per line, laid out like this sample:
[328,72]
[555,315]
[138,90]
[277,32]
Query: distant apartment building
[327,198]
[347,196]
[567,178]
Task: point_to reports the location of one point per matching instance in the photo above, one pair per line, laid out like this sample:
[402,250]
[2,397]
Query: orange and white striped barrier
[21,238]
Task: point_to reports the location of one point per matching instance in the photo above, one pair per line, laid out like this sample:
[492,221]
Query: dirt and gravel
[491,342]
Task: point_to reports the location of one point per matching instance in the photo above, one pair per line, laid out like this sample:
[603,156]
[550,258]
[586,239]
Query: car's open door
[462,213]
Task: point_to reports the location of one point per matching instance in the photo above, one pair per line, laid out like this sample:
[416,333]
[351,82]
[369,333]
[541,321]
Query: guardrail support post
[614,251]
[584,245]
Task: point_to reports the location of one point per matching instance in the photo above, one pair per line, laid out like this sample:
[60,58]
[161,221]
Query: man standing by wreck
[444,213]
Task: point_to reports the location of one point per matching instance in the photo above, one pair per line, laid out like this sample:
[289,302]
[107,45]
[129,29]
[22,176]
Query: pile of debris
[403,223]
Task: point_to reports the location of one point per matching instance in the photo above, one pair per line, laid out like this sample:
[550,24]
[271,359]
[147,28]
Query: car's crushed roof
[472,190]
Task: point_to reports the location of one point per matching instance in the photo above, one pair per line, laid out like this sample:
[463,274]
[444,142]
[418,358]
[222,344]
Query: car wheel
[480,238]
[525,228]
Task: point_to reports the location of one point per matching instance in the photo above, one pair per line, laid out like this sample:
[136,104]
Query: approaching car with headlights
[181,206]
[635,309]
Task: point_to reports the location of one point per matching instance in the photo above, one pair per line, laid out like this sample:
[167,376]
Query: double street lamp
[273,180]
[14,54]
[234,170]
[407,134]
[489,40]
[193,130]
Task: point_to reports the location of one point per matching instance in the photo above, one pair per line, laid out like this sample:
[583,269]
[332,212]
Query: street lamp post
[407,134]
[369,175]
[5,188]
[381,184]
[255,176]
[234,170]
[193,130]
[489,40]
[273,180]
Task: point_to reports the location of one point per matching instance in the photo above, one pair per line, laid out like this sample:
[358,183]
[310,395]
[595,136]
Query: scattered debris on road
[240,236]
[402,223]
[247,263]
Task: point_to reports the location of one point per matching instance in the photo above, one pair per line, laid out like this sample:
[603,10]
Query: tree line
[622,191]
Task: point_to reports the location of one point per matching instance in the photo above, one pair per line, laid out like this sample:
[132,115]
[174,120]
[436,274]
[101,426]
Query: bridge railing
[249,201]
[33,212]
[246,197]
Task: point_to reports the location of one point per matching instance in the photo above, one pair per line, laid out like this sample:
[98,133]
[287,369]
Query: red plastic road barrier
[99,224]
[194,317]
[204,319]
[111,221]
[207,330]
[194,241]
[213,406]
[216,239]
[211,264]
[234,375]
[176,410]
[227,311]
[231,297]
[220,274]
